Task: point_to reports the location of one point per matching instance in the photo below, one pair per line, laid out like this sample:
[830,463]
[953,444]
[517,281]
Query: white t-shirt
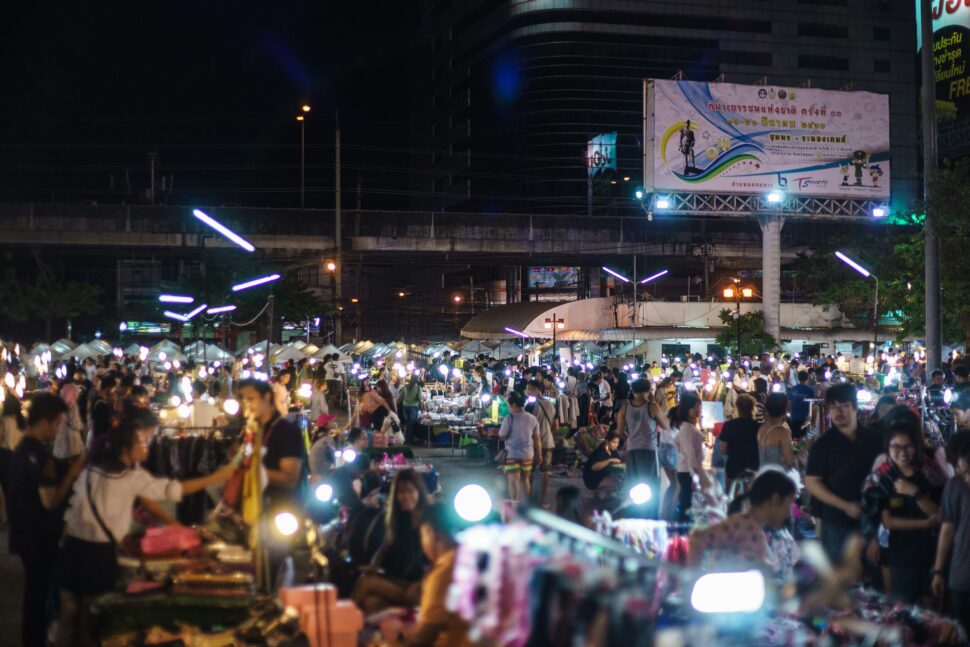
[690,448]
[204,413]
[114,497]
[519,430]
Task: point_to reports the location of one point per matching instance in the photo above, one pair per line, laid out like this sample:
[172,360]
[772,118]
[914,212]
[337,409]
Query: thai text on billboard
[951,47]
[730,138]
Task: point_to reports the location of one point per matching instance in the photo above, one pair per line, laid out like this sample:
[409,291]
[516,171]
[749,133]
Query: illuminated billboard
[731,138]
[951,47]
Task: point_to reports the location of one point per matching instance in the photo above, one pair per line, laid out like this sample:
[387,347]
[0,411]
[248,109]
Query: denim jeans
[411,413]
[834,536]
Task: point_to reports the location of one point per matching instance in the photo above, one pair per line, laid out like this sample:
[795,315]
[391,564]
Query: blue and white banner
[730,138]
[601,154]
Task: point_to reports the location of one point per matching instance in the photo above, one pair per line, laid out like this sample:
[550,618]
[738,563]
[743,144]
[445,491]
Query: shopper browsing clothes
[100,516]
[36,511]
[639,422]
[690,453]
[520,430]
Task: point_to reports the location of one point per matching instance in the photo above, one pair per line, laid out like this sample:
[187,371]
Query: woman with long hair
[380,413]
[394,578]
[690,453]
[774,436]
[370,402]
[100,516]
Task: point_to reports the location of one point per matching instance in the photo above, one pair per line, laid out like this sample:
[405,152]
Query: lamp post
[302,119]
[736,292]
[875,304]
[331,267]
[555,323]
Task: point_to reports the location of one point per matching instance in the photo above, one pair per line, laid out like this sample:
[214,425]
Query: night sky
[89,88]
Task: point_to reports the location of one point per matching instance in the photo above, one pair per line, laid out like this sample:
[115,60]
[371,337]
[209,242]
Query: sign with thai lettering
[951,47]
[730,138]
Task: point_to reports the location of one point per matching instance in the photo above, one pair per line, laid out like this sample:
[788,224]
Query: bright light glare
[775,197]
[305,390]
[729,592]
[663,203]
[286,523]
[486,398]
[473,503]
[654,276]
[863,397]
[220,309]
[255,282]
[184,411]
[225,231]
[231,407]
[851,263]
[349,455]
[518,333]
[443,370]
[619,276]
[640,493]
[175,315]
[196,311]
[324,492]
[777,387]
[878,212]
[175,298]
[175,401]
[639,195]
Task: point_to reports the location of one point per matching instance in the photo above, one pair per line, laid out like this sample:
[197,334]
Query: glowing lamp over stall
[222,229]
[473,503]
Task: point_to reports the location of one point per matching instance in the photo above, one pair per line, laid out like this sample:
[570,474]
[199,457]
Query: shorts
[546,461]
[524,466]
[668,456]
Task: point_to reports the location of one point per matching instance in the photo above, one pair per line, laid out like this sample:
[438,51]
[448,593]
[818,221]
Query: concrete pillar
[771,224]
[509,284]
[595,282]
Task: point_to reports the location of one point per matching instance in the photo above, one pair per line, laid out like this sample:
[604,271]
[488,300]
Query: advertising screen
[951,47]
[730,138]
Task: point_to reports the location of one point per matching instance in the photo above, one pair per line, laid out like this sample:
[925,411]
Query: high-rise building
[515,88]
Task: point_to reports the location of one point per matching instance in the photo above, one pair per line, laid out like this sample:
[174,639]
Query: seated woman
[100,516]
[603,472]
[436,624]
[742,540]
[395,577]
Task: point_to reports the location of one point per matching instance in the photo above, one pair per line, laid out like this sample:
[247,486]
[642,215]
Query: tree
[754,339]
[48,298]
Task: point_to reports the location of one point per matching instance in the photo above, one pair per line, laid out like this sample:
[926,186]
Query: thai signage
[730,138]
[951,47]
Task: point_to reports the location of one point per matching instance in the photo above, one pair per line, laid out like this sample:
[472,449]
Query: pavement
[454,471]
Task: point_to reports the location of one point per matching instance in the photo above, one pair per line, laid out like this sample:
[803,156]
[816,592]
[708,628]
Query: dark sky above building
[214,87]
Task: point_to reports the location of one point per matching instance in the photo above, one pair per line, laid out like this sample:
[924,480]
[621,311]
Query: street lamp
[554,323]
[302,119]
[736,292]
[875,305]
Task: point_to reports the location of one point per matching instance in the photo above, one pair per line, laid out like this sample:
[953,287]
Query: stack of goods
[325,620]
[219,585]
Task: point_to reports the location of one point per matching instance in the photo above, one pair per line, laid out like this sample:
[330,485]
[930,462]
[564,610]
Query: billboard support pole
[933,313]
[771,224]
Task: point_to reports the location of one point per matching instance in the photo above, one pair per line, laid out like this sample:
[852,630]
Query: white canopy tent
[342,357]
[82,352]
[62,346]
[288,353]
[170,349]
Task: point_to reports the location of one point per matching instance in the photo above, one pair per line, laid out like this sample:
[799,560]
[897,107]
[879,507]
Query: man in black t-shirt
[103,410]
[284,458]
[838,465]
[35,504]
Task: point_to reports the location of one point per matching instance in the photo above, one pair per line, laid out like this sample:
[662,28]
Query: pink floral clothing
[739,540]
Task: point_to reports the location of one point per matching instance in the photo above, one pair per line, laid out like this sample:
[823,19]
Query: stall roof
[491,324]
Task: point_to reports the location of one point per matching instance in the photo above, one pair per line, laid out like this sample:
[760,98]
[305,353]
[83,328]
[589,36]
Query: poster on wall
[731,138]
[601,154]
[951,47]
[553,277]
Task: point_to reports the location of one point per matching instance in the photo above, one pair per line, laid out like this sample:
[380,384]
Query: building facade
[513,89]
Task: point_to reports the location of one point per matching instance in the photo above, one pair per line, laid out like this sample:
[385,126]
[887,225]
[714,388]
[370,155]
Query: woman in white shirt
[690,453]
[100,516]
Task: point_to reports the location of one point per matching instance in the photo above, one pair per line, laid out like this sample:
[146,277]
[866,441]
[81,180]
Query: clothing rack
[576,534]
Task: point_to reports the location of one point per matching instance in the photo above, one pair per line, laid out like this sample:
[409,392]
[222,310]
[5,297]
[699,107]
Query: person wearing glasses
[900,495]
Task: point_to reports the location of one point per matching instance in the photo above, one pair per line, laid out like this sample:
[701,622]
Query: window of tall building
[823,62]
[821,30]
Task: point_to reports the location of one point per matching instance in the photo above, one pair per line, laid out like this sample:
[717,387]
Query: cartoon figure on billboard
[687,148]
[875,172]
[845,174]
[859,161]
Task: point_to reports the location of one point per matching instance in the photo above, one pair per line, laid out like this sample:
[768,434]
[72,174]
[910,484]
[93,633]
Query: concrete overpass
[387,235]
